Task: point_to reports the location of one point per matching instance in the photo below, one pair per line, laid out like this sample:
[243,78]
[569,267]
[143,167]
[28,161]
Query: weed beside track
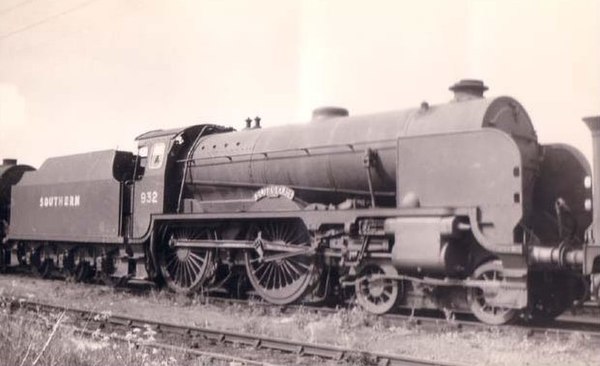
[350,328]
[40,341]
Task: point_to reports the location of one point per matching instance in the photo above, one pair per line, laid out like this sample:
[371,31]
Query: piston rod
[560,256]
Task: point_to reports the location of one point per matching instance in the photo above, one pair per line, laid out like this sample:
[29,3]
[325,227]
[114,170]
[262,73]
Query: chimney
[248,124]
[256,122]
[593,124]
[10,162]
[468,89]
[329,112]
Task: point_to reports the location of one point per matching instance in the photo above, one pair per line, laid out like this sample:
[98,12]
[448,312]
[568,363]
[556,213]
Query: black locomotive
[454,206]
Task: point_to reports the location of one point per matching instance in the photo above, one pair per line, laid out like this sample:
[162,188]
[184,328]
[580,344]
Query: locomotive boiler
[454,206]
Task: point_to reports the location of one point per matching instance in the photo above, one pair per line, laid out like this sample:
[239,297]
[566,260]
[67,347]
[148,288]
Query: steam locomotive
[453,206]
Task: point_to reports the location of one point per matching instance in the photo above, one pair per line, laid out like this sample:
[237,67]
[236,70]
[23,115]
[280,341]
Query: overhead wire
[8,9]
[47,19]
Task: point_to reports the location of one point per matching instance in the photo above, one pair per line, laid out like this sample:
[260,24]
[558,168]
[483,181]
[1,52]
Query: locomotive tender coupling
[453,206]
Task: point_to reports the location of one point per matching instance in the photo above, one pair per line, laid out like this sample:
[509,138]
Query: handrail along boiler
[452,206]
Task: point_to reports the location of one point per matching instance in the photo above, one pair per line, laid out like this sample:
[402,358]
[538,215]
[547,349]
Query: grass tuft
[40,341]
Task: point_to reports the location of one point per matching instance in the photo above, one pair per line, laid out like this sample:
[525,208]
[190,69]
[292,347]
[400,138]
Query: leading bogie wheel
[185,270]
[480,301]
[375,293]
[286,280]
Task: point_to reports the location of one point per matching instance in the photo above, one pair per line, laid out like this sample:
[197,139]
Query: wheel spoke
[284,232]
[182,274]
[296,239]
[182,278]
[171,261]
[270,282]
[193,271]
[261,267]
[188,271]
[266,273]
[377,296]
[261,270]
[178,273]
[286,267]
[194,265]
[290,265]
[199,258]
[481,305]
[278,279]
[284,280]
[185,270]
[300,264]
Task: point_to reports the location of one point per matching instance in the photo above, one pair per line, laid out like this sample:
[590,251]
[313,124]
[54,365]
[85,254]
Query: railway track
[563,327]
[148,344]
[182,350]
[192,335]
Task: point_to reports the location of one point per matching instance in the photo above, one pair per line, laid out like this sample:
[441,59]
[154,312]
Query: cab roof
[161,133]
[195,129]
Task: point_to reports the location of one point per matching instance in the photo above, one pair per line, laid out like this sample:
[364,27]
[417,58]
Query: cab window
[158,155]
[143,155]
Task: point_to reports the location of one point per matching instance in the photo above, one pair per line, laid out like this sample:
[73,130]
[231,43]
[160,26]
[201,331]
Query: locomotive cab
[156,174]
[162,162]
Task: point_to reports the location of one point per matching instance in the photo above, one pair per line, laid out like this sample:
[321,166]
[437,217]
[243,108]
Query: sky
[84,75]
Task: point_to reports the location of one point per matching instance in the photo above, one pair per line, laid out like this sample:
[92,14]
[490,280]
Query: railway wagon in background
[452,206]
[10,174]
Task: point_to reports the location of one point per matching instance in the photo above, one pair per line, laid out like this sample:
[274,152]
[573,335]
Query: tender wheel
[108,267]
[185,270]
[479,301]
[76,267]
[5,256]
[42,262]
[21,253]
[83,272]
[377,296]
[281,281]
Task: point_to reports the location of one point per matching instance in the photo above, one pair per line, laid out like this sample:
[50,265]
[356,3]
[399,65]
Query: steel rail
[257,341]
[164,346]
[591,329]
[577,321]
[186,350]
